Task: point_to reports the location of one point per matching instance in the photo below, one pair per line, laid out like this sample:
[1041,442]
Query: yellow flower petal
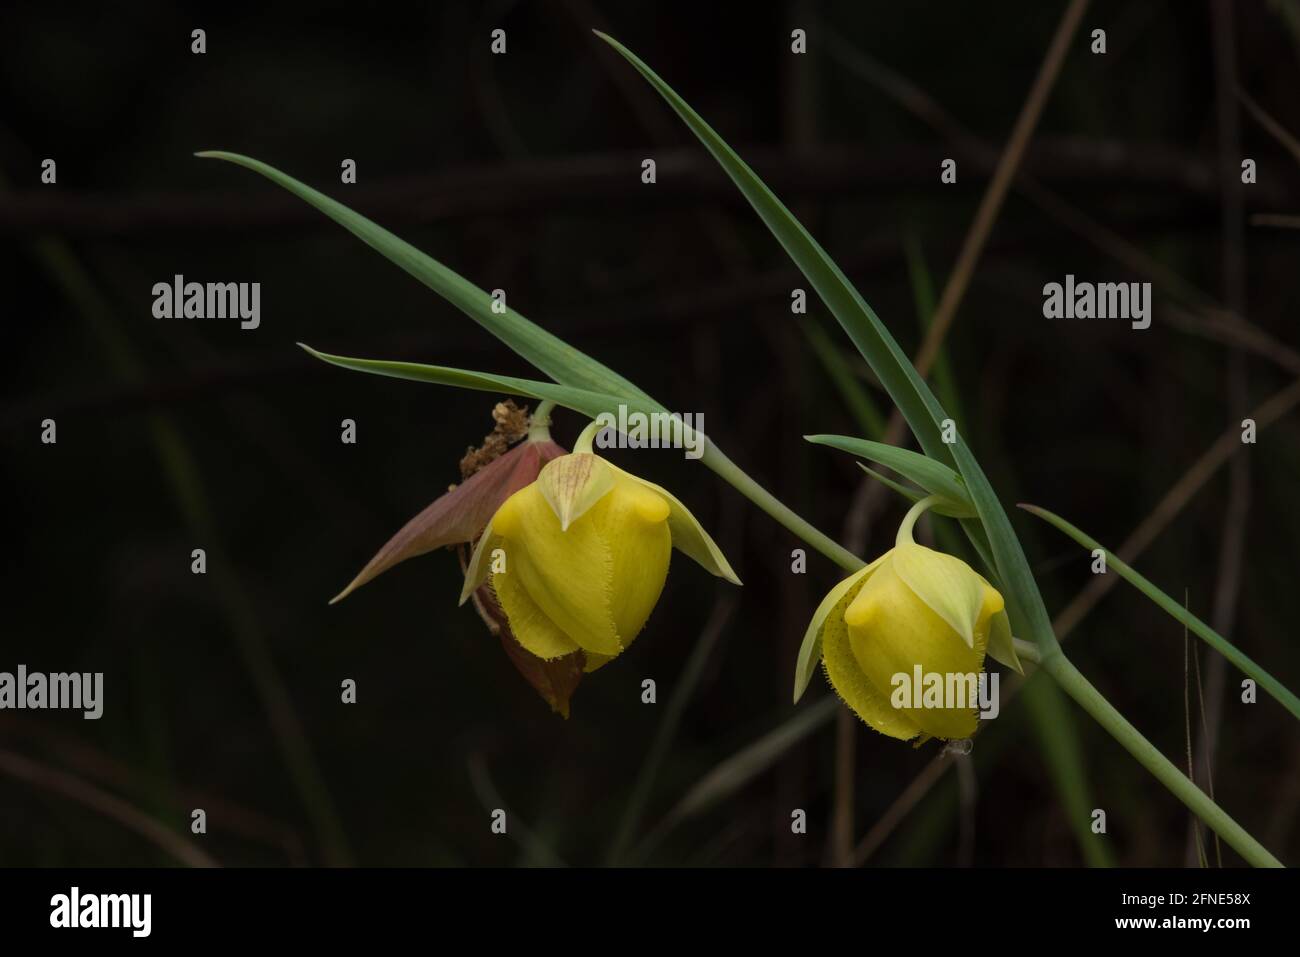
[568,574]
[633,522]
[892,631]
[689,536]
[846,675]
[810,652]
[528,623]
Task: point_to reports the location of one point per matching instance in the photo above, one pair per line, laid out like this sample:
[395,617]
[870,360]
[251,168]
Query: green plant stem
[588,436]
[542,414]
[904,536]
[734,475]
[1091,700]
[1222,645]
[539,423]
[1027,651]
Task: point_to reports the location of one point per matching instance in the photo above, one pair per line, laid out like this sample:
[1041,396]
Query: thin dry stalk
[66,785]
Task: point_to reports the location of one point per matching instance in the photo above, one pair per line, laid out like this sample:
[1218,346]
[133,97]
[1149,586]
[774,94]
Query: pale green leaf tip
[1015,664]
[799,688]
[726,572]
[723,567]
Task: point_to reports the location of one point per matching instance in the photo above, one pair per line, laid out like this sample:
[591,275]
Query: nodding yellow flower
[912,613]
[578,558]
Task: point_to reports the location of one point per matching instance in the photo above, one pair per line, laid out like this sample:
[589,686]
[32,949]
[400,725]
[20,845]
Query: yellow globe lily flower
[913,612]
[578,558]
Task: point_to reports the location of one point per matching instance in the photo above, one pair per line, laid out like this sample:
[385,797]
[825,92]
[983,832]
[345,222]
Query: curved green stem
[732,473]
[539,423]
[1223,646]
[1091,700]
[1027,651]
[904,536]
[588,436]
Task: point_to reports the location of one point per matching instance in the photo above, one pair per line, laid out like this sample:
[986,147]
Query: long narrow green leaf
[932,476]
[552,355]
[896,373]
[913,495]
[1211,637]
[880,350]
[590,404]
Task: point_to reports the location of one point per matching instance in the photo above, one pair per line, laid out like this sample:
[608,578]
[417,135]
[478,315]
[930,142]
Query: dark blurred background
[522,172]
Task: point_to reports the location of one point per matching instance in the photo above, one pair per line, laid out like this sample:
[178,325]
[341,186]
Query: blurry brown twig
[1275,219]
[101,768]
[973,246]
[921,105]
[1276,129]
[959,278]
[542,185]
[916,789]
[1008,163]
[66,785]
[694,305]
[1232,541]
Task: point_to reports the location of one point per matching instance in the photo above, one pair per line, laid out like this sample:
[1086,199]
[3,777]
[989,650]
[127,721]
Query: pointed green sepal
[689,536]
[476,572]
[1002,648]
[810,652]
